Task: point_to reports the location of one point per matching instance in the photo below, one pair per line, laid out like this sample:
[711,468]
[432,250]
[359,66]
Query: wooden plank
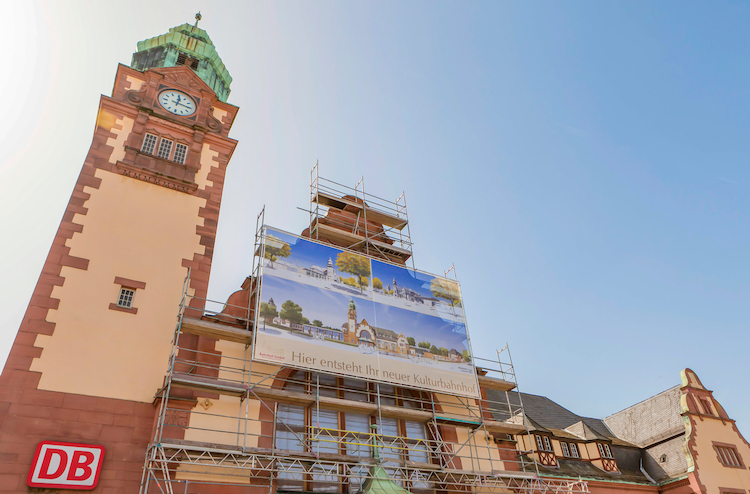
[216,330]
[375,215]
[283,396]
[205,383]
[504,427]
[405,413]
[495,383]
[250,450]
[386,219]
[341,405]
[458,421]
[329,200]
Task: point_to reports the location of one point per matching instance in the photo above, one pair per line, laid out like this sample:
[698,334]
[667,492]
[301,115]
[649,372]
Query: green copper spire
[185,45]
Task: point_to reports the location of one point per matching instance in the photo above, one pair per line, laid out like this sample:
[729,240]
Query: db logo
[66,466]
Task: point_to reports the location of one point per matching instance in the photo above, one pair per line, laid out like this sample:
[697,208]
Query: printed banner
[337,311]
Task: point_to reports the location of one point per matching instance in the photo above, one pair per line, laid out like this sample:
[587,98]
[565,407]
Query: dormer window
[604,450]
[570,450]
[543,443]
[574,451]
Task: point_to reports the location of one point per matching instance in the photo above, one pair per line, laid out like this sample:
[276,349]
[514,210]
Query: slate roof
[549,416]
[543,414]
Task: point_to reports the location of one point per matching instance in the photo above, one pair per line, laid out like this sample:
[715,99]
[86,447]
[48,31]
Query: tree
[318,323]
[291,312]
[276,248]
[447,290]
[267,312]
[377,284]
[359,266]
[305,320]
[434,350]
[443,351]
[467,356]
[424,344]
[412,341]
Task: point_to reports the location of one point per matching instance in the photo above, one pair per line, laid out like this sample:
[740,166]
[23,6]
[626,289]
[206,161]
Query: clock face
[177,102]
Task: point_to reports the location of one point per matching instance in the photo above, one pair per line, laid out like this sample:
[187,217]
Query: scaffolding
[351,218]
[227,420]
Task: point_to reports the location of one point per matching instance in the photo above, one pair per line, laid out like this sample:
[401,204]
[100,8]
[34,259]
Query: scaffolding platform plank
[216,330]
[205,383]
[487,382]
[349,239]
[376,215]
[504,427]
[491,425]
[341,405]
[271,453]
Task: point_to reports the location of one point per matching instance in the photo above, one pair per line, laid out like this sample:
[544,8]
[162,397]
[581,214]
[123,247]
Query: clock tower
[93,346]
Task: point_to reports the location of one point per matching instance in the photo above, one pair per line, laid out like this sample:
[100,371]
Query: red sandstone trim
[29,415]
[127,283]
[129,310]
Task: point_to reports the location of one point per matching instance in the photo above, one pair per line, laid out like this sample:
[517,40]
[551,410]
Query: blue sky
[584,165]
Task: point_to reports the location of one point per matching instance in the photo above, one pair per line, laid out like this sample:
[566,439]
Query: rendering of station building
[124,378]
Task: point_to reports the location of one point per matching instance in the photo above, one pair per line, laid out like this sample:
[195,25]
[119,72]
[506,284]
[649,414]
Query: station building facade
[98,363]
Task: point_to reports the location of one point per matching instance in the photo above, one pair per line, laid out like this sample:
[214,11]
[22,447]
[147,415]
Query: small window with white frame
[180,152]
[165,149]
[547,444]
[565,450]
[149,144]
[125,299]
[574,451]
[604,450]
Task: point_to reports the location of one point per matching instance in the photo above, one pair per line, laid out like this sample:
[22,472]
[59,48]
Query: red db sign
[66,466]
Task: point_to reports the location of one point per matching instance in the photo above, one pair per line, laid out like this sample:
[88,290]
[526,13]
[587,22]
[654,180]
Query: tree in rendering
[424,344]
[291,312]
[318,323]
[447,290]
[356,265]
[412,341]
[377,284]
[267,312]
[275,248]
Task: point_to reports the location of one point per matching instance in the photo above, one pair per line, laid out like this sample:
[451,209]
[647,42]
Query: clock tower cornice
[135,96]
[212,114]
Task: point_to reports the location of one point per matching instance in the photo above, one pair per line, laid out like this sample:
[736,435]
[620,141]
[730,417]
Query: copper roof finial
[198,17]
